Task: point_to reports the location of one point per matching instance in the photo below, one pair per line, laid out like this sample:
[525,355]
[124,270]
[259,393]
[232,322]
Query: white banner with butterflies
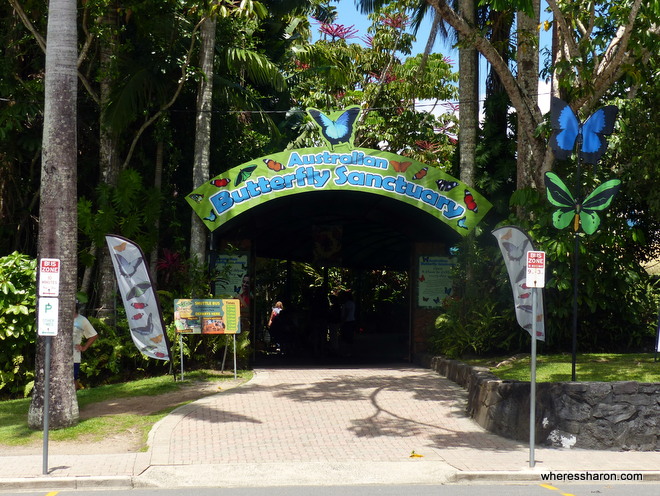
[514,244]
[143,311]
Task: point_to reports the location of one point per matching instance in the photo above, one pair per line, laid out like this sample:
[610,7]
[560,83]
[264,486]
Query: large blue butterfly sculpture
[339,130]
[590,135]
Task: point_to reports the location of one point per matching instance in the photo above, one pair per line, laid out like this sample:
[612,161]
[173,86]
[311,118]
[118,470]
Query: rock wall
[593,415]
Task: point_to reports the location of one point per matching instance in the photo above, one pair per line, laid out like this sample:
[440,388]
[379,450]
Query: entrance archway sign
[338,166]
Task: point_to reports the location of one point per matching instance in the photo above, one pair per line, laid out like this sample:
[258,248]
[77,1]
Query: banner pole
[235,356]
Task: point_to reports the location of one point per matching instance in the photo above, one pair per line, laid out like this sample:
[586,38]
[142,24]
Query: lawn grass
[590,367]
[14,430]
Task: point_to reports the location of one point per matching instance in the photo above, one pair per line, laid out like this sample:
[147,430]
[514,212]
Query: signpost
[48,313]
[535,279]
[208,316]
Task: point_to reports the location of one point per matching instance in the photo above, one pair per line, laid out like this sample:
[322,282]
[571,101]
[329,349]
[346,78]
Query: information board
[207,316]
[434,281]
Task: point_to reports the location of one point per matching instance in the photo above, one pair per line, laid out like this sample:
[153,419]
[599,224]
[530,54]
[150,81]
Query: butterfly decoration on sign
[583,213]
[400,166]
[336,130]
[590,135]
[244,174]
[274,165]
[445,185]
[219,183]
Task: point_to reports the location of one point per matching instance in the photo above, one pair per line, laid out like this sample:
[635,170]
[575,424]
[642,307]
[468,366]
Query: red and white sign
[49,277]
[535,269]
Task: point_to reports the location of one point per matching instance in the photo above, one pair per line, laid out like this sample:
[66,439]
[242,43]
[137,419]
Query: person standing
[82,328]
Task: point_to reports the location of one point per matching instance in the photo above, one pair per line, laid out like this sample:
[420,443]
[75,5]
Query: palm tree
[57,217]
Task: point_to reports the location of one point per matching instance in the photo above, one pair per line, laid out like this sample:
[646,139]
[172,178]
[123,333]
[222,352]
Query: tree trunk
[57,213]
[201,169]
[468,94]
[158,183]
[108,161]
[528,81]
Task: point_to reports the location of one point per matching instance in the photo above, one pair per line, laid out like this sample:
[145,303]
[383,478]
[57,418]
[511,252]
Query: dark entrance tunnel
[376,233]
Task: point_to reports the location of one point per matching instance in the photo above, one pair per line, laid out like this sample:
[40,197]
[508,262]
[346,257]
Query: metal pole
[181,353]
[532,383]
[234,356]
[46,403]
[576,251]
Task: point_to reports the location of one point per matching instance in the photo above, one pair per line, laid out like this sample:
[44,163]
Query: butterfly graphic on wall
[337,130]
[583,213]
[590,135]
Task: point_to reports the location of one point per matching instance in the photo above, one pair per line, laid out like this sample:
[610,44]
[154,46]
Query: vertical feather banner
[143,311]
[515,244]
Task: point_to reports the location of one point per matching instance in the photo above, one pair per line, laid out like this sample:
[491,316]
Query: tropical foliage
[138,72]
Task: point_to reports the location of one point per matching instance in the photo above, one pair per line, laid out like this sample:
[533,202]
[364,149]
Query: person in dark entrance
[244,292]
[275,312]
[348,323]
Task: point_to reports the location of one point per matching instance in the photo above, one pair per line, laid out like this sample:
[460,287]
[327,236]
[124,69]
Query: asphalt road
[600,489]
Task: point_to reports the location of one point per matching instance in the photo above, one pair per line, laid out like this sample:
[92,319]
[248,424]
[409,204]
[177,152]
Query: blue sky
[349,15]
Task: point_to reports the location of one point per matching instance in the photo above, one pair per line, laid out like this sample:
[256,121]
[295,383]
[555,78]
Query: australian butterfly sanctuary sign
[338,167]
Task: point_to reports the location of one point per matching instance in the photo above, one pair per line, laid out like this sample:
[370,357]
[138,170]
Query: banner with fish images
[338,166]
[143,311]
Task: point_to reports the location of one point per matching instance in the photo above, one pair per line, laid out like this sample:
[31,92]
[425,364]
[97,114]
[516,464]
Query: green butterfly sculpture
[584,213]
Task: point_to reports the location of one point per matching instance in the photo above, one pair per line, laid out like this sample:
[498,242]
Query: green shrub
[18,275]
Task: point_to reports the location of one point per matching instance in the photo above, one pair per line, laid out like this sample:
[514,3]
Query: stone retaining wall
[593,415]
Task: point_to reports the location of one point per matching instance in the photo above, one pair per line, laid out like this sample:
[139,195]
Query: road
[481,489]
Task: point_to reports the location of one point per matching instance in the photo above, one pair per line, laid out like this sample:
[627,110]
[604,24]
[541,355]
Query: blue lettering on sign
[399,185]
[310,177]
[328,158]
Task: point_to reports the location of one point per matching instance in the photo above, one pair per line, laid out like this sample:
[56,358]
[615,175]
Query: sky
[349,15]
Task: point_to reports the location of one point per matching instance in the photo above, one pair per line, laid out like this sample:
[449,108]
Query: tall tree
[595,65]
[468,90]
[57,214]
[201,168]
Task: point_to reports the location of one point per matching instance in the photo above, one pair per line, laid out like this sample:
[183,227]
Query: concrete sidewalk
[321,426]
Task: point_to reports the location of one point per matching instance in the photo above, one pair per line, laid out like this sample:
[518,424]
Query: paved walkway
[321,426]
